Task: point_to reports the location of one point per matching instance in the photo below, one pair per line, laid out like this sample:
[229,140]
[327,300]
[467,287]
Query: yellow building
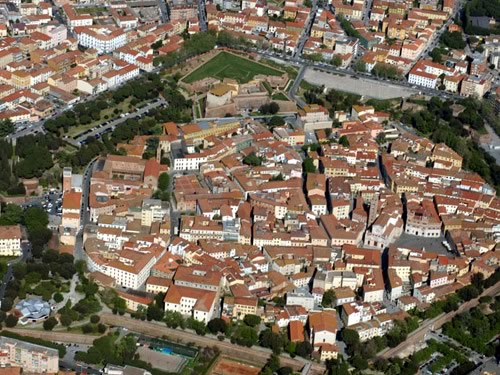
[444,153]
[21,79]
[195,132]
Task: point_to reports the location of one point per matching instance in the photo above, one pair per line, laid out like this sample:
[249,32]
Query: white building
[103,39]
[323,327]
[119,76]
[189,162]
[199,304]
[353,313]
[130,269]
[301,297]
[421,78]
[153,210]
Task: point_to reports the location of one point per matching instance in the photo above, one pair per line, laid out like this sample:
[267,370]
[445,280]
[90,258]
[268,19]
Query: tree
[271,108]
[344,141]
[272,365]
[217,325]
[87,328]
[163,181]
[199,327]
[19,270]
[359,362]
[65,320]
[252,159]
[252,320]
[308,166]
[436,55]
[120,304]
[174,319]
[58,297]
[94,319]
[50,323]
[338,367]
[244,336]
[12,215]
[154,312]
[351,339]
[360,66]
[276,121]
[101,328]
[468,292]
[271,340]
[11,320]
[380,138]
[304,349]
[7,304]
[6,127]
[453,40]
[329,298]
[336,61]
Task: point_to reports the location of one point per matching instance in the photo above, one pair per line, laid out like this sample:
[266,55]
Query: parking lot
[432,245]
[354,85]
[52,202]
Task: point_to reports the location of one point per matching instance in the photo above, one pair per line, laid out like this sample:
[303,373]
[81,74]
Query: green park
[228,65]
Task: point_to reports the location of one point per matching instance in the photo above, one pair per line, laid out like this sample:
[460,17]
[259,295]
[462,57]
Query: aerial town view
[245,187]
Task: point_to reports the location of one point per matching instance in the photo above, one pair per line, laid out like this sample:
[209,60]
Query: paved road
[295,86]
[307,30]
[84,210]
[420,333]
[494,141]
[202,16]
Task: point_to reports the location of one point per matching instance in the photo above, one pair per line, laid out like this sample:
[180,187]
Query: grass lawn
[91,10]
[306,85]
[280,96]
[227,65]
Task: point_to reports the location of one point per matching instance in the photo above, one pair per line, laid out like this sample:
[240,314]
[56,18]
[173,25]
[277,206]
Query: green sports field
[227,65]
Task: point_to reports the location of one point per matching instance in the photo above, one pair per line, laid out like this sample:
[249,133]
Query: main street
[306,32]
[420,334]
[79,254]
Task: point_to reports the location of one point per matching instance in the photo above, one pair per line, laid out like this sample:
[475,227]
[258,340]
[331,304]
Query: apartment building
[476,86]
[10,240]
[32,358]
[129,268]
[197,303]
[315,117]
[75,19]
[104,39]
[153,210]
